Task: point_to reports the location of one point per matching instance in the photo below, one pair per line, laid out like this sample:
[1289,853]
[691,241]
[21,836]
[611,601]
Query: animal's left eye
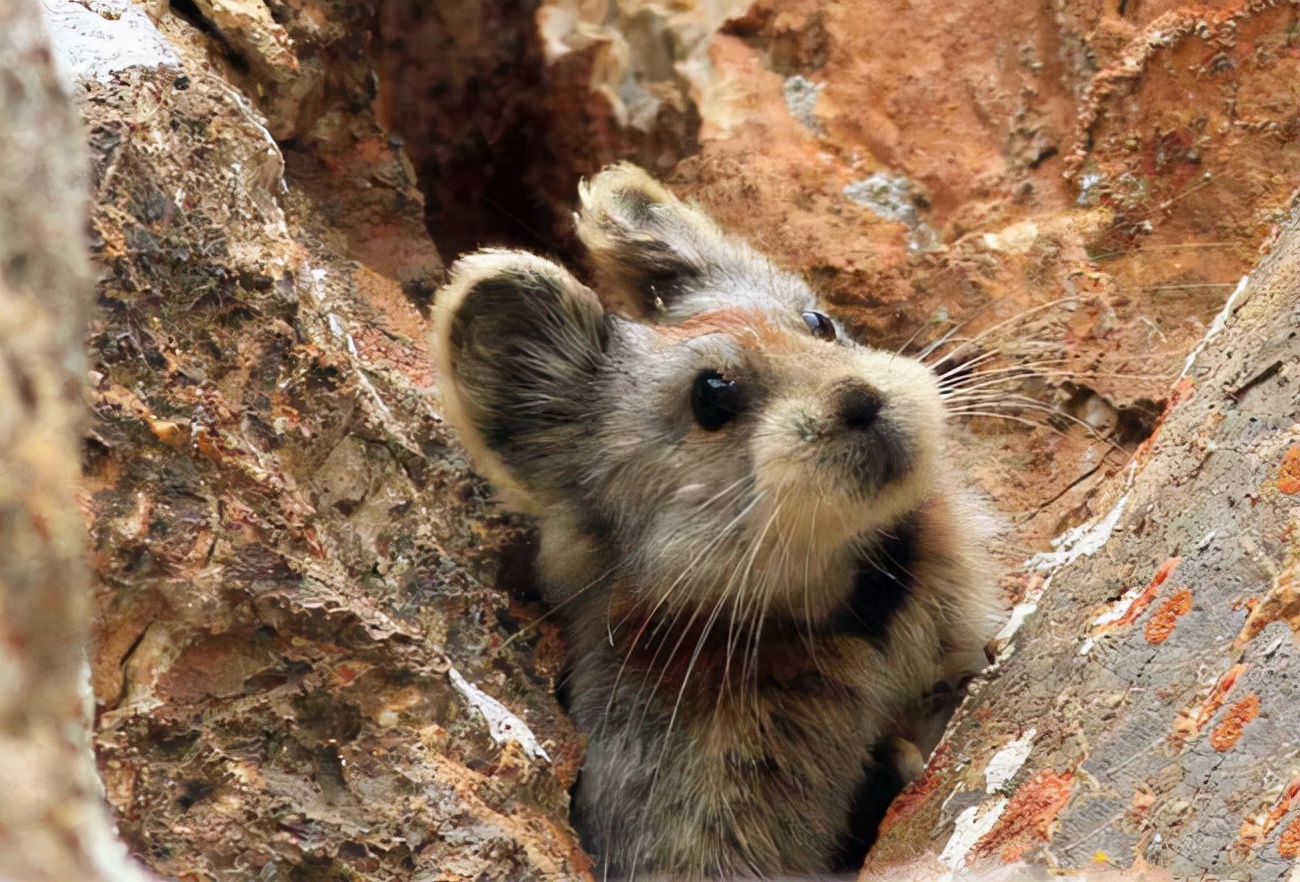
[820,325]
[716,401]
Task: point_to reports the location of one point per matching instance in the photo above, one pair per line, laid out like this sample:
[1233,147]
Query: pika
[771,586]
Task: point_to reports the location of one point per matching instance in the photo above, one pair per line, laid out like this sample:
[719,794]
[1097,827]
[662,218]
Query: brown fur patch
[719,657]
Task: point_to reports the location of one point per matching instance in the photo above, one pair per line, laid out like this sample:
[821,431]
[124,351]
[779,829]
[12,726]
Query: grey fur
[717,589]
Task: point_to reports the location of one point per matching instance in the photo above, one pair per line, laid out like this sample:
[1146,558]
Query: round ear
[645,244]
[657,259]
[518,341]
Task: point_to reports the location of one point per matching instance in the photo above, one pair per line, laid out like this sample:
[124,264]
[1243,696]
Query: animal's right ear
[648,248]
[518,340]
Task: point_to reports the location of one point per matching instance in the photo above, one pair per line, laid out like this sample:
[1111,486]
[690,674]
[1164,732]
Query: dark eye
[819,324]
[715,400]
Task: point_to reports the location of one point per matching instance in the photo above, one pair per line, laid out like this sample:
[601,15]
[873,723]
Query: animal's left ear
[649,249]
[520,345]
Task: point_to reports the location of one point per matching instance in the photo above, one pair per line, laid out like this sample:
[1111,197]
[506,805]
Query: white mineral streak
[1119,608]
[316,288]
[1021,611]
[95,40]
[1216,326]
[971,824]
[1082,541]
[977,820]
[267,176]
[1004,764]
[502,724]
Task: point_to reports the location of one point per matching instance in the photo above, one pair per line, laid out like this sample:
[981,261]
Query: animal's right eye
[820,324]
[716,401]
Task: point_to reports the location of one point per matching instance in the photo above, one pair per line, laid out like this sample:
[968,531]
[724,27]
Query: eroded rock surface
[291,555]
[291,583]
[1141,714]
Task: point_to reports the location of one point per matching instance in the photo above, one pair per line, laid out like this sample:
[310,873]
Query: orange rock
[1288,476]
[1289,845]
[1028,817]
[1225,734]
[1162,623]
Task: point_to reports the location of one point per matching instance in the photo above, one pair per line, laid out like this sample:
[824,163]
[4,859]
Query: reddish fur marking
[751,328]
[682,646]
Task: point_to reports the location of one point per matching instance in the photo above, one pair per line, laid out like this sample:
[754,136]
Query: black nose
[859,406]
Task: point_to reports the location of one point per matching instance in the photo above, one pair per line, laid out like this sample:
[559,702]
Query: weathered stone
[292,560]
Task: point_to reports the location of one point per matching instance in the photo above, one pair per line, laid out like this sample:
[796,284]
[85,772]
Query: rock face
[1140,715]
[295,628]
[300,660]
[53,825]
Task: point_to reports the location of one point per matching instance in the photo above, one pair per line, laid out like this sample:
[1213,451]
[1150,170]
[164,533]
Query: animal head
[695,419]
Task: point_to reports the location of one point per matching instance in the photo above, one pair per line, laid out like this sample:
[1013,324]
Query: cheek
[698,518]
[710,484]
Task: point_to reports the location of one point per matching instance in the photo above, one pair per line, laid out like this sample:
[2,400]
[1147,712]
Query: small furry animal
[772,590]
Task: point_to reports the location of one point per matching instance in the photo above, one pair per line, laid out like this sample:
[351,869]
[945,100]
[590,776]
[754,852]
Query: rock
[290,556]
[285,561]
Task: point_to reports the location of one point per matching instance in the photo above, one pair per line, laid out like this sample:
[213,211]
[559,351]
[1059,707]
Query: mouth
[870,461]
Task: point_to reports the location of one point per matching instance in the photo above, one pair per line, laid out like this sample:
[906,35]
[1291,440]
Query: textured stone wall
[297,622]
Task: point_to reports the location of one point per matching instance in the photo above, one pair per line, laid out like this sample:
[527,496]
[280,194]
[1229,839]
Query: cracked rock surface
[297,622]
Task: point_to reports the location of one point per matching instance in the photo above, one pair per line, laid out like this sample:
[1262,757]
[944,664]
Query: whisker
[744,577]
[1018,317]
[809,642]
[681,691]
[530,627]
[712,543]
[1093,433]
[902,347]
[710,546]
[969,365]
